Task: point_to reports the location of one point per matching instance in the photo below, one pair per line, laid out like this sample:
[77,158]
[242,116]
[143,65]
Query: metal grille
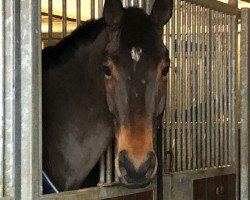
[199,122]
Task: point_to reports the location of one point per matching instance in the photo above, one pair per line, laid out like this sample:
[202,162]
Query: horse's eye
[164,71]
[106,71]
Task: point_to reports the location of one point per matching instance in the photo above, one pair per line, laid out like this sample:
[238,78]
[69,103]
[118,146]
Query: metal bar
[109,165]
[203,111]
[184,89]
[64,18]
[208,83]
[30,100]
[223,67]
[179,95]
[102,170]
[78,12]
[95,193]
[198,68]
[2,64]
[216,92]
[213,41]
[230,89]
[92,9]
[50,22]
[199,102]
[168,110]
[173,102]
[8,164]
[141,4]
[225,89]
[235,143]
[100,8]
[194,15]
[125,3]
[217,6]
[220,89]
[189,139]
[245,104]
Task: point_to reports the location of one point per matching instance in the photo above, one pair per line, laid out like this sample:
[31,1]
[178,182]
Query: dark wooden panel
[200,189]
[215,188]
[130,197]
[211,188]
[139,196]
[145,196]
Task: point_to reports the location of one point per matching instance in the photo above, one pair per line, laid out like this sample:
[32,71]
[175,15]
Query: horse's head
[135,68]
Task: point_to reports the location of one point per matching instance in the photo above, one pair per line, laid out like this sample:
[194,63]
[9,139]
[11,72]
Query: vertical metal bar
[2,64]
[189,139]
[92,9]
[100,8]
[173,102]
[109,165]
[141,4]
[64,18]
[198,67]
[234,101]
[50,22]
[184,85]
[132,3]
[245,104]
[233,79]
[125,3]
[212,39]
[116,175]
[178,108]
[78,12]
[8,164]
[230,89]
[148,6]
[216,92]
[17,96]
[30,100]
[208,78]
[223,67]
[203,111]
[220,90]
[168,110]
[225,88]
[194,15]
[102,170]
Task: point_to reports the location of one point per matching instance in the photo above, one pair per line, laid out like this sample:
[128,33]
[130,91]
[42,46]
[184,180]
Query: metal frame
[20,83]
[245,105]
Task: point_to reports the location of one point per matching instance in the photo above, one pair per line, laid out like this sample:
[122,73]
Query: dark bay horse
[106,79]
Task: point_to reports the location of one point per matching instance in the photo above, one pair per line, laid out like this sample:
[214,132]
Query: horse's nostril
[123,157]
[147,167]
[133,174]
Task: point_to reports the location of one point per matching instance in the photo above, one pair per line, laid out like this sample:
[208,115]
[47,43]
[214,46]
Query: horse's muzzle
[133,177]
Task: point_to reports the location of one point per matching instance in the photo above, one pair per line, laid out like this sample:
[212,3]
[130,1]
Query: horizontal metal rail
[217,6]
[96,193]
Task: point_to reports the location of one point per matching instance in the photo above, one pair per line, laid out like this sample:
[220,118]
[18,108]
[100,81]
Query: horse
[106,80]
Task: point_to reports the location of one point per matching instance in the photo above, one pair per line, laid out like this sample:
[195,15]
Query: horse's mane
[84,34]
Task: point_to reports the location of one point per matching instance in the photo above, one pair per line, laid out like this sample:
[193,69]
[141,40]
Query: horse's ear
[162,12]
[112,12]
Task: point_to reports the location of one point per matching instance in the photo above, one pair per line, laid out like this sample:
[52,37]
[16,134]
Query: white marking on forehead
[136,54]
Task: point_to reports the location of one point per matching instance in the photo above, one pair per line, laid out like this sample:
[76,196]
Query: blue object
[48,186]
